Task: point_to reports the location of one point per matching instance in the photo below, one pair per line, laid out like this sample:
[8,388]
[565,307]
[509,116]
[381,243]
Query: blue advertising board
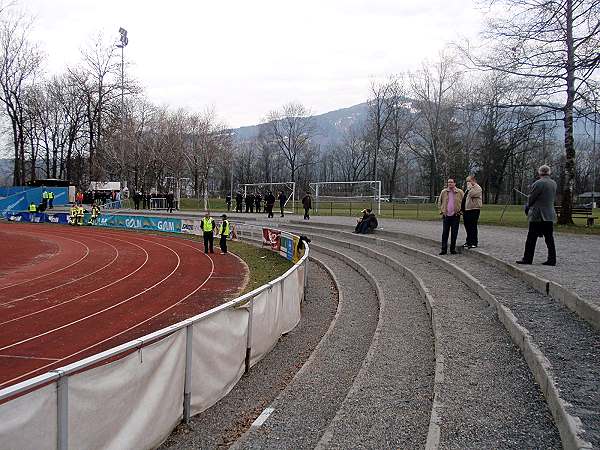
[37,217]
[20,201]
[168,224]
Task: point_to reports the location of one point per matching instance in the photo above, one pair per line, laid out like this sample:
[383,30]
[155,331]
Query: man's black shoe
[453,252]
[549,263]
[522,261]
[443,252]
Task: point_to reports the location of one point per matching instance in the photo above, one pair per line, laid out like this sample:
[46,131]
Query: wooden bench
[580,213]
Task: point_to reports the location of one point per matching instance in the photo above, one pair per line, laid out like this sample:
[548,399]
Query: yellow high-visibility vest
[32,208]
[45,194]
[50,195]
[225,228]
[207,224]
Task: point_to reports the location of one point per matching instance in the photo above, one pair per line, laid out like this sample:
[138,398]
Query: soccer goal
[368,192]
[287,187]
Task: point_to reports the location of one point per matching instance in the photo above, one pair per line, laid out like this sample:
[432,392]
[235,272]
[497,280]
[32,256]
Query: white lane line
[89,316]
[29,357]
[87,252]
[118,280]
[121,332]
[68,282]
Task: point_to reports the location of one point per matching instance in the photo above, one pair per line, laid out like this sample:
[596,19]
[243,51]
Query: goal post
[287,187]
[347,191]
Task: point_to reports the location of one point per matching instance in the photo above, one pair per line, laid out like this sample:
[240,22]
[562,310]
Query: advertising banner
[289,247]
[171,225]
[272,238]
[191,226]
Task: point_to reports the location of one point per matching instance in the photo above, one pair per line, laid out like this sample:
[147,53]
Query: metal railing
[61,375]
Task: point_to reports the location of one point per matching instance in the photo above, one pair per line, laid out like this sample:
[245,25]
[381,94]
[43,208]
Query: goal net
[287,187]
[352,193]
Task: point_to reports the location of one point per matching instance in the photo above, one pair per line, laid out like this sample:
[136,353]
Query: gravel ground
[305,408]
[574,352]
[578,255]
[389,405]
[490,397]
[223,423]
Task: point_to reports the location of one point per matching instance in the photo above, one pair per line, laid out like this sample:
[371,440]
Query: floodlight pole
[124,41]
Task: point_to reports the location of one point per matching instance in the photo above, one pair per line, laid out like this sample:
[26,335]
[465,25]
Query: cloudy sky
[247,57]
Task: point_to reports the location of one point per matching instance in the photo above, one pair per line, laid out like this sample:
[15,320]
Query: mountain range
[330,126]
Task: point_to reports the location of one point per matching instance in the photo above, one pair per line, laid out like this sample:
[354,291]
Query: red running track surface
[68,292]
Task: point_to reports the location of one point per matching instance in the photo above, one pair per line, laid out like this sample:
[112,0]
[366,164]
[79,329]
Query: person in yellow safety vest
[224,232]
[50,199]
[95,214]
[45,198]
[32,208]
[80,212]
[208,229]
[73,214]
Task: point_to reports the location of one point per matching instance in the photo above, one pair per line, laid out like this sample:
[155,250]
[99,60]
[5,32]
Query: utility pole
[594,152]
[124,41]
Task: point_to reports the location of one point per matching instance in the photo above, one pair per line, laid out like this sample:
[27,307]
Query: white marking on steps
[260,420]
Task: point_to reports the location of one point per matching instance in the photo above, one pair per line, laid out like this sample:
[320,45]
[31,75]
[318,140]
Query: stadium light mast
[124,40]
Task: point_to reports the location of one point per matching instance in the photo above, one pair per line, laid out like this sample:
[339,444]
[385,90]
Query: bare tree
[379,116]
[432,89]
[19,60]
[290,130]
[552,47]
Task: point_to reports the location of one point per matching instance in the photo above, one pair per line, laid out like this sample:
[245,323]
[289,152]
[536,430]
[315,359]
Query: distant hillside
[330,126]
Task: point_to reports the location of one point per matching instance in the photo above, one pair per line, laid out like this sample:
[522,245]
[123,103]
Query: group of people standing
[253,202]
[454,202]
[209,227]
[541,215]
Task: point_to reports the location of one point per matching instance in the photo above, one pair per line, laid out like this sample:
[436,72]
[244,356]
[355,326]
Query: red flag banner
[272,238]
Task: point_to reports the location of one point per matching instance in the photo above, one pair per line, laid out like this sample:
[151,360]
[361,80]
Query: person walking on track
[208,229]
[224,232]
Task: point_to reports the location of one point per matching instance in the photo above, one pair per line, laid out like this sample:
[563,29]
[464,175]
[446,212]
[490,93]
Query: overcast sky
[247,57]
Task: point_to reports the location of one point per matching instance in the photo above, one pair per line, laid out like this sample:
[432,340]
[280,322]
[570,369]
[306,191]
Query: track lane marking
[87,293]
[124,331]
[81,319]
[30,357]
[68,282]
[87,252]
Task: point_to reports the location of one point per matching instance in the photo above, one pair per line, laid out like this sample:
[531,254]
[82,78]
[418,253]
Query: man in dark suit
[541,216]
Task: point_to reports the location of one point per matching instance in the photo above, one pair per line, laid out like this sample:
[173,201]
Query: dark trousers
[471,217]
[223,244]
[50,201]
[450,227]
[208,241]
[281,208]
[270,210]
[538,229]
[306,214]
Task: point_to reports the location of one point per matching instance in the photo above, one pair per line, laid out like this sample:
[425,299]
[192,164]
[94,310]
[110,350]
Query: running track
[70,292]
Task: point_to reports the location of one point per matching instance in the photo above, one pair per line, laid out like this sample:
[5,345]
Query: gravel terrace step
[303,411]
[490,398]
[389,405]
[223,423]
[570,344]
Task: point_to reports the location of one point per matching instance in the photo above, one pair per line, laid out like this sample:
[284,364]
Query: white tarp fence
[150,384]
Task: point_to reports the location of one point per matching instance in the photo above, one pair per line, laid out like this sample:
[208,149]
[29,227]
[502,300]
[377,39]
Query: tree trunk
[567,188]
